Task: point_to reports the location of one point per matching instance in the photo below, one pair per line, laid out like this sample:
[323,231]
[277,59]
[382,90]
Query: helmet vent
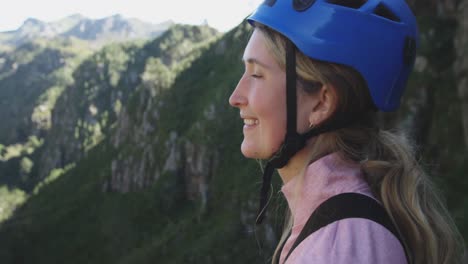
[348,3]
[383,11]
[269,2]
[302,5]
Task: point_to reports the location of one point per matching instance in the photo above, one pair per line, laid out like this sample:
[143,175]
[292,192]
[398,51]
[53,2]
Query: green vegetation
[38,71]
[11,199]
[143,225]
[17,150]
[54,175]
[137,159]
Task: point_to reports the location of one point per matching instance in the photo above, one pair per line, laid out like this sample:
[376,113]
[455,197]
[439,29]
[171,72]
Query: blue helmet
[378,38]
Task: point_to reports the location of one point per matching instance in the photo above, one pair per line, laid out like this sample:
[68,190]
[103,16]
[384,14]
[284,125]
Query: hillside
[37,71]
[141,162]
[95,179]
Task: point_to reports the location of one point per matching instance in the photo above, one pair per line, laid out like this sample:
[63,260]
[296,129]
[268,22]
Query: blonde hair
[387,161]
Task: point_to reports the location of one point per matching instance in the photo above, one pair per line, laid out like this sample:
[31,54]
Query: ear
[327,101]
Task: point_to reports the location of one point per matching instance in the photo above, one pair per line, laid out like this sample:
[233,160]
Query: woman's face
[260,96]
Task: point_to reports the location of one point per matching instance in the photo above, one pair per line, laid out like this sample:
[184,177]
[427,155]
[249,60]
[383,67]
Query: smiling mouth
[250,122]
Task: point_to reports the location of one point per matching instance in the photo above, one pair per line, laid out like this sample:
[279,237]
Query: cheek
[276,138]
[274,126]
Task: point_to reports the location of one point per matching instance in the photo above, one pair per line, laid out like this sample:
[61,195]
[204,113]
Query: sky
[221,14]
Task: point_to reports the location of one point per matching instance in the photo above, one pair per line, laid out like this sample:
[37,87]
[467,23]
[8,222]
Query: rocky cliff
[104,83]
[155,148]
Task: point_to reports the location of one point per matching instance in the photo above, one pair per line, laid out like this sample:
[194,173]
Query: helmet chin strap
[293,141]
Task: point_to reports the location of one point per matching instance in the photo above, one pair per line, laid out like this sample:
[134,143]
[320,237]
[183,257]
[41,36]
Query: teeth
[250,121]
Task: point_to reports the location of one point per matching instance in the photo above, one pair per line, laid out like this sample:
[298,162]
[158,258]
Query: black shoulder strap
[342,206]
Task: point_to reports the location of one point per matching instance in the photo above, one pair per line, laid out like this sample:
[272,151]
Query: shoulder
[352,240]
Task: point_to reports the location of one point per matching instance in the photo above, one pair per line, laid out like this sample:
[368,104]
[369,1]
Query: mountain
[106,81]
[140,160]
[119,142]
[115,28]
[27,76]
[32,78]
[99,31]
[50,88]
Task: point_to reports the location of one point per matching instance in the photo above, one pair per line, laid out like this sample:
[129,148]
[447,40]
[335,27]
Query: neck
[296,164]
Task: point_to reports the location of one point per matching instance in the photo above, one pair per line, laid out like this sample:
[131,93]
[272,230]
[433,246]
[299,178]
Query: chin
[252,153]
[249,154]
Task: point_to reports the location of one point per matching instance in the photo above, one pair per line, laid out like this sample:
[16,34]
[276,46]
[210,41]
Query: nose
[237,98]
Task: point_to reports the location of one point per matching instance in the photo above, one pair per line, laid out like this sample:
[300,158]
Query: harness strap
[342,206]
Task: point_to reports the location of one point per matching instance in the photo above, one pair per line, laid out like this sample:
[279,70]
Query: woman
[316,74]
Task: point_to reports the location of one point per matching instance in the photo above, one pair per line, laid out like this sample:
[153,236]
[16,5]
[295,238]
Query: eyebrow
[255,61]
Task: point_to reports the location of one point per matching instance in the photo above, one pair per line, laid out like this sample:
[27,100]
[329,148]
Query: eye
[256,76]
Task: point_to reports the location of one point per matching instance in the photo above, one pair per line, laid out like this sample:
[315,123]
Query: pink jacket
[347,241]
